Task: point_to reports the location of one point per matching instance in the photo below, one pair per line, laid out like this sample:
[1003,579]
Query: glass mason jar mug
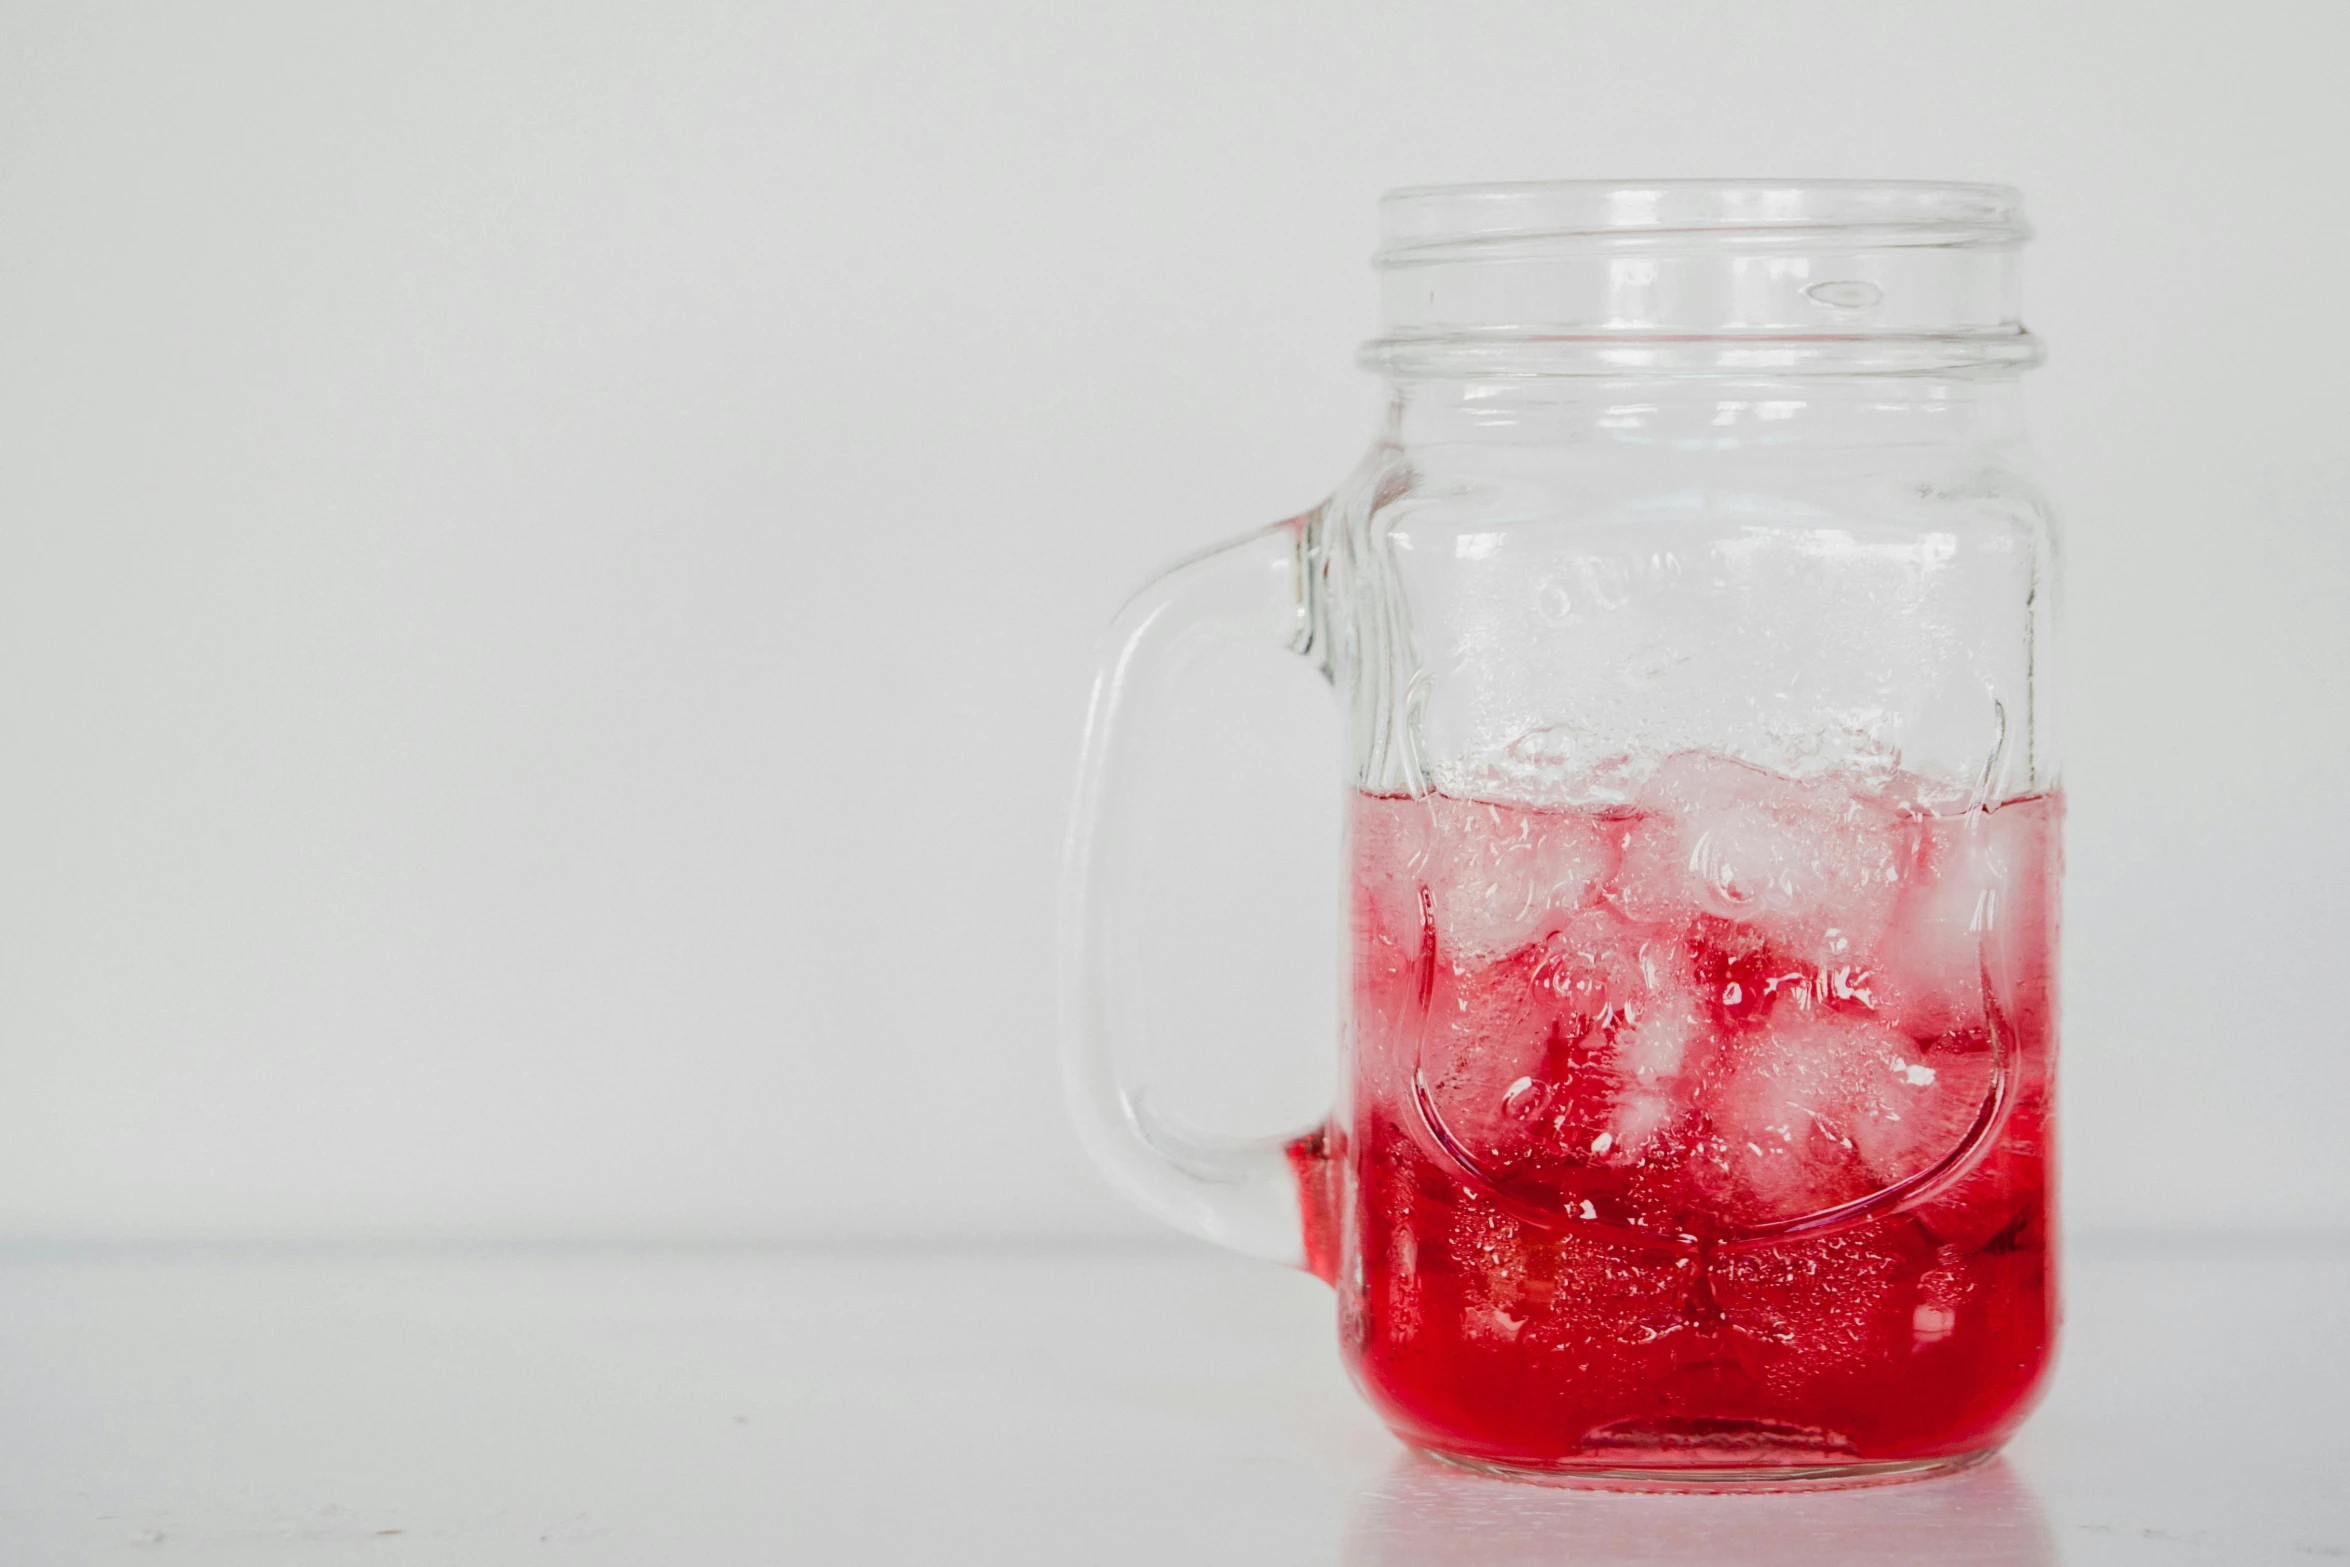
[1689,617]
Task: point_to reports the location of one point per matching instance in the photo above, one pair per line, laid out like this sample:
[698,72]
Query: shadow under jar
[1690,620]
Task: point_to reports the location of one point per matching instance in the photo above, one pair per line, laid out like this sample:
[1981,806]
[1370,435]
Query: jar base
[1721,1479]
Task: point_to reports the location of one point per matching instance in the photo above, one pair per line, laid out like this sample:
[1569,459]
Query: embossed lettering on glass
[1690,620]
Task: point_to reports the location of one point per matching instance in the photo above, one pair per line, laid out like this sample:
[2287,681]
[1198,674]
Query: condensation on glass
[1690,620]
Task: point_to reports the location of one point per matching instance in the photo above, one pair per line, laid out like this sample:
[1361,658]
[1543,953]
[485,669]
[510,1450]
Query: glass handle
[1241,1192]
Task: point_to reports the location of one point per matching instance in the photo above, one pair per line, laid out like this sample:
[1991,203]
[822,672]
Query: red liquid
[1708,1131]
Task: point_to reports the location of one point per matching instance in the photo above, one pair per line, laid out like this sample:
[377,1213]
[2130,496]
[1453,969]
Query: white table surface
[1030,1406]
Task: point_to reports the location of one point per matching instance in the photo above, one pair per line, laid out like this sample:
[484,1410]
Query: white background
[550,558]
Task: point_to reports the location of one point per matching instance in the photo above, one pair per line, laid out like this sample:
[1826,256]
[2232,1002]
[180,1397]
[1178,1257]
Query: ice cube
[1500,876]
[1822,1108]
[1813,866]
[1928,970]
[1390,841]
[1636,1034]
[1485,1072]
[1641,1114]
[1913,1111]
[1977,906]
[1660,1040]
[2026,853]
[1582,1048]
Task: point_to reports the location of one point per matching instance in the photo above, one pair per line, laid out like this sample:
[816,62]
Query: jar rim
[1701,277]
[1422,224]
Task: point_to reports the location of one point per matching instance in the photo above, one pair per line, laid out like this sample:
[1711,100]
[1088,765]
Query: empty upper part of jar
[1701,276]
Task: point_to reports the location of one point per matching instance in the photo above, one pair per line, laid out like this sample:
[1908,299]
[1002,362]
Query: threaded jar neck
[1700,277]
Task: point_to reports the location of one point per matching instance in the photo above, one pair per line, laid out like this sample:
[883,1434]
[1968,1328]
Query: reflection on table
[1424,1514]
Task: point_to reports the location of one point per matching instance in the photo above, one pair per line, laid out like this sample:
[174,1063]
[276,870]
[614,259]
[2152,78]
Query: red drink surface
[1706,1130]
